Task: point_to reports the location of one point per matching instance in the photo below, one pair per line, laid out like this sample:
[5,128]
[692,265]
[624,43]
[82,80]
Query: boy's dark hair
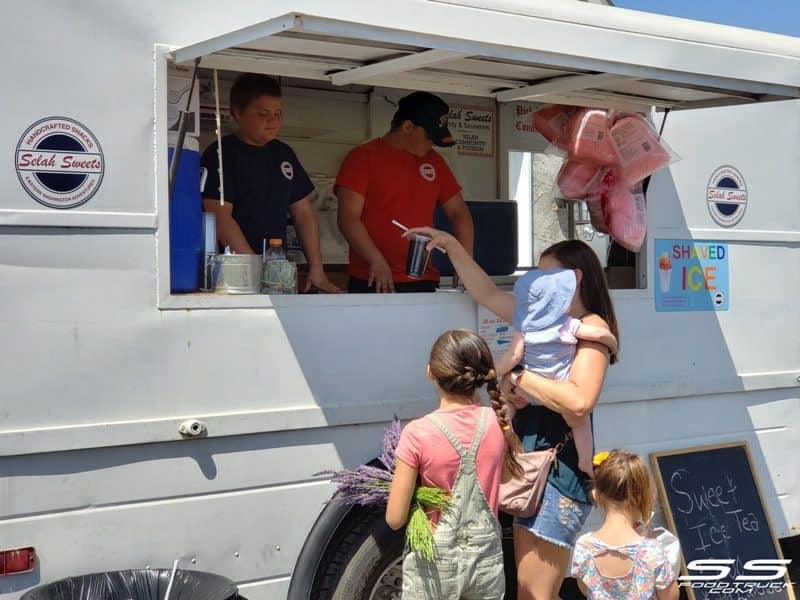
[250,86]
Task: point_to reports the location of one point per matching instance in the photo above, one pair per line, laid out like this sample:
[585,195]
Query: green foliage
[431,497]
[419,531]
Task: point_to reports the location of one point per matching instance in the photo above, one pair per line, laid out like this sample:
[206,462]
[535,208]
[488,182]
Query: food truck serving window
[498,54]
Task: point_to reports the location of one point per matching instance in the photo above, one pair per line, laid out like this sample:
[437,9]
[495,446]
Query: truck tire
[363,561]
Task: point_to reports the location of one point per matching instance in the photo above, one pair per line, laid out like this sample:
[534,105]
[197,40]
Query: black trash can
[142,584]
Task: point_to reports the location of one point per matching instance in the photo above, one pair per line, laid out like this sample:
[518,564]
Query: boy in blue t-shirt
[263,180]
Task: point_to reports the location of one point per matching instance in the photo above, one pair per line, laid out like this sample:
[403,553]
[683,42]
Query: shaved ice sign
[690,275]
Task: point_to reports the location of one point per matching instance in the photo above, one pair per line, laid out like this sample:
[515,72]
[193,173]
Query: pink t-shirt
[423,446]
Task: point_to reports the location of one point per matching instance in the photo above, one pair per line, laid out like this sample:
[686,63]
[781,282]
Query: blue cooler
[186,219]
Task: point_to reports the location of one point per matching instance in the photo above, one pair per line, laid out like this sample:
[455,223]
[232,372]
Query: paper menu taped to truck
[495,331]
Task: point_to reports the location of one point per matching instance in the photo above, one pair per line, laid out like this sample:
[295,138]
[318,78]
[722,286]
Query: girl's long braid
[513,445]
[461,363]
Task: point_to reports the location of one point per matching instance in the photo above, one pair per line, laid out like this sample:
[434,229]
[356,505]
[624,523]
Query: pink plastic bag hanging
[576,178]
[596,216]
[595,197]
[639,150]
[625,216]
[551,121]
[589,137]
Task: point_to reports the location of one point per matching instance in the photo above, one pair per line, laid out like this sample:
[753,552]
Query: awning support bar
[557,85]
[288,22]
[393,65]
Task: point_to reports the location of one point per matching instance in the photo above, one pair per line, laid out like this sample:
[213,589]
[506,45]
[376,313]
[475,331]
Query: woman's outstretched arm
[476,281]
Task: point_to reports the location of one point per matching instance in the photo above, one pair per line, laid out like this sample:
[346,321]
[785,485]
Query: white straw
[171,579]
[219,140]
[404,228]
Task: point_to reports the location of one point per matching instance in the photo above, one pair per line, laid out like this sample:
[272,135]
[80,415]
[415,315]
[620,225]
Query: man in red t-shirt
[399,176]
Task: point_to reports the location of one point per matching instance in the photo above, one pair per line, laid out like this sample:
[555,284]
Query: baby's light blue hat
[542,298]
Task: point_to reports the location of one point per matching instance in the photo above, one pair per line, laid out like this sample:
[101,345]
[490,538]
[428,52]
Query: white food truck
[102,363]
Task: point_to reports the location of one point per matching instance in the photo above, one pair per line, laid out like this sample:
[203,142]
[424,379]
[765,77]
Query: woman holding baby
[551,409]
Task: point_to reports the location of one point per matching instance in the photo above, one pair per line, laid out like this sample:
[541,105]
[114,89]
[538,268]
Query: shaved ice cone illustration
[665,271]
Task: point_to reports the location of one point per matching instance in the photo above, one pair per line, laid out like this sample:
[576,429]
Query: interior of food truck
[341,81]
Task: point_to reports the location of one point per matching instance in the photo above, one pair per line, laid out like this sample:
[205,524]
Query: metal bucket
[237,273]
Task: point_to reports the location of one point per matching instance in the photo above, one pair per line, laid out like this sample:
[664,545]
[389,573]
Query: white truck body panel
[101,364]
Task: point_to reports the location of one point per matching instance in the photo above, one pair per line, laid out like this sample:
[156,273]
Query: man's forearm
[360,241]
[464,231]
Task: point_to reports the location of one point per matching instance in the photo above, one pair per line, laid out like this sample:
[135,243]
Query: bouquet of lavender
[368,485]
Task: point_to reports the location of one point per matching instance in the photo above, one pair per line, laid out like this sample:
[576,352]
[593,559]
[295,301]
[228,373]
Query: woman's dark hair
[461,363]
[250,86]
[575,254]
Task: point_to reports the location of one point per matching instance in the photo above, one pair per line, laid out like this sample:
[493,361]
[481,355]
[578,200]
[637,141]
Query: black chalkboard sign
[712,501]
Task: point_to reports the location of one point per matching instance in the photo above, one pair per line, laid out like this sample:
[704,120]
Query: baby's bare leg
[582,434]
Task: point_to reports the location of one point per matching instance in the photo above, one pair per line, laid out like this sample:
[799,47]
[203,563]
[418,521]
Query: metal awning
[581,54]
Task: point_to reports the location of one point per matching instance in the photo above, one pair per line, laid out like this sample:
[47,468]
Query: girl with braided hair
[461,447]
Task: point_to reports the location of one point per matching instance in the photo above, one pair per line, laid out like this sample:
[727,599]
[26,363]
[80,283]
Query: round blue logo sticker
[726,195]
[59,162]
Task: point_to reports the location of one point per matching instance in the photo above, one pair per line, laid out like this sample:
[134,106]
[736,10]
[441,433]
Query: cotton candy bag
[618,210]
[576,178]
[596,216]
[589,138]
[551,121]
[625,215]
[638,148]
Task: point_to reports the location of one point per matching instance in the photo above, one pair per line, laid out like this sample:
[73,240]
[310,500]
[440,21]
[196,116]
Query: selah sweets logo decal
[59,162]
[726,195]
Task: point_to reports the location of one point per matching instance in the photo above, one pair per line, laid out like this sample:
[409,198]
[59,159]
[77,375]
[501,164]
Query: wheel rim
[390,582]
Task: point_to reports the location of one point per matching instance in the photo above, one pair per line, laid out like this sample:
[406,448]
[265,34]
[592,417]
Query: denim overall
[467,541]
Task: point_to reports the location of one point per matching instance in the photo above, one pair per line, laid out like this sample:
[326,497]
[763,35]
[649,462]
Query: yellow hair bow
[598,458]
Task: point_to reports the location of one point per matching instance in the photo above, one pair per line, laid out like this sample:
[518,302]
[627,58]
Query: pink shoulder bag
[520,496]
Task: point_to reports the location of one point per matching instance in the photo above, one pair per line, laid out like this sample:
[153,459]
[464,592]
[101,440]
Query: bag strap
[560,445]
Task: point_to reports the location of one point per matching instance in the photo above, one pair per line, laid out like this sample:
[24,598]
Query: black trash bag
[143,584]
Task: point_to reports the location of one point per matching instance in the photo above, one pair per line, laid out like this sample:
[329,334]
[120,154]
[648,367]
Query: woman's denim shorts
[558,520]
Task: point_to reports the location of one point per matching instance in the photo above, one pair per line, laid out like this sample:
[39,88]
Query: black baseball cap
[429,112]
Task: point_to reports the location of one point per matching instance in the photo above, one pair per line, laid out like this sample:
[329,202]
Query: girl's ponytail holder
[599,458]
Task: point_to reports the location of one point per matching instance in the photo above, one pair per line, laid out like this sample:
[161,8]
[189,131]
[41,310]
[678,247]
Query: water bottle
[280,276]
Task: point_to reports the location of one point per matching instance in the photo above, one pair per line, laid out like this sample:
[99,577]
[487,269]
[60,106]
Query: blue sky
[777,16]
